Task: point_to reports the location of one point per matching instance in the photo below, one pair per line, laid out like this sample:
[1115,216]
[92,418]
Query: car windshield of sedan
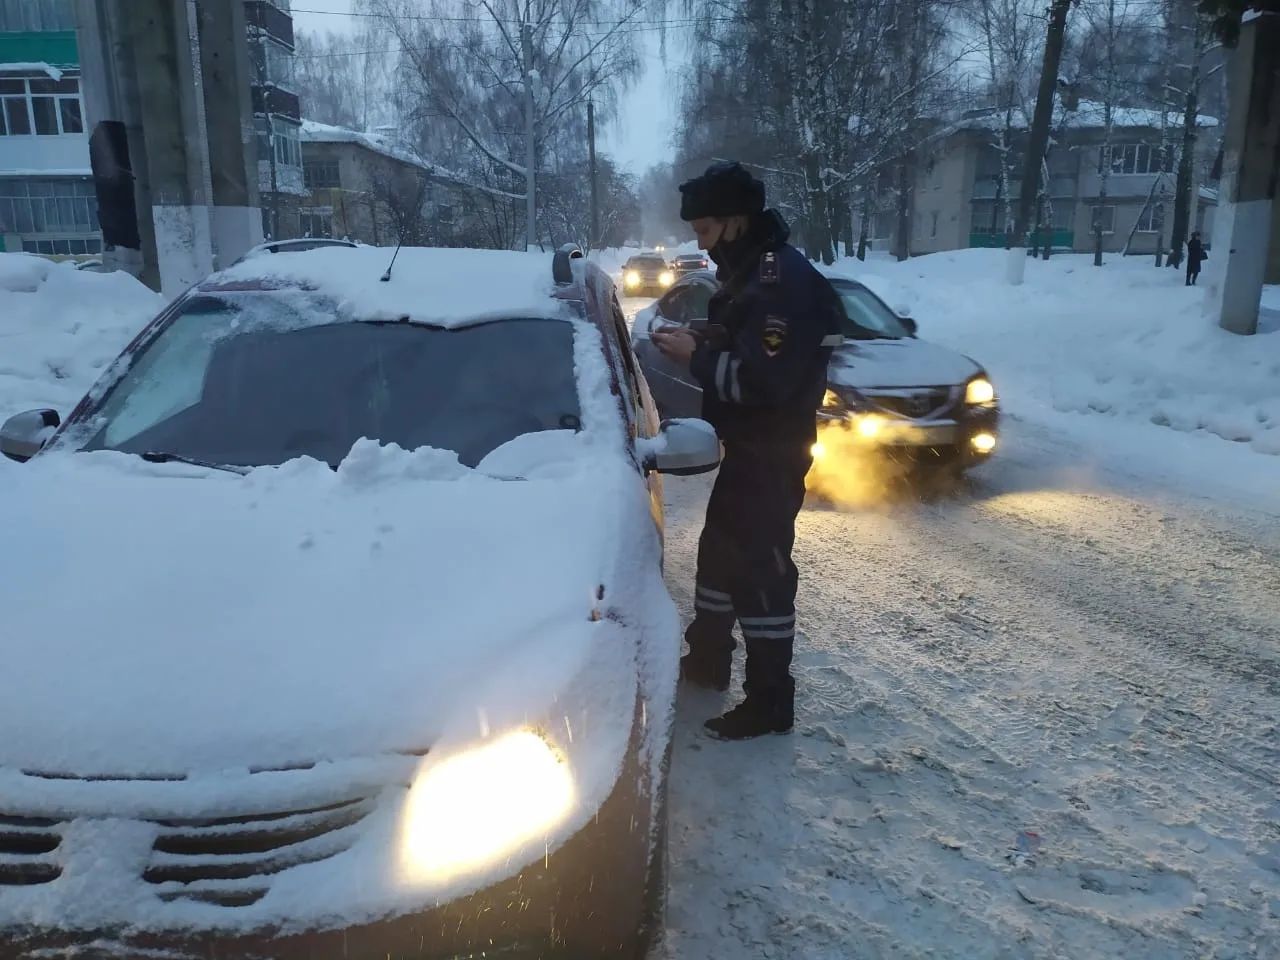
[866,316]
[260,378]
[646,263]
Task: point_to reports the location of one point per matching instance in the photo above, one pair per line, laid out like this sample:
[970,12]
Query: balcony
[276,101]
[272,21]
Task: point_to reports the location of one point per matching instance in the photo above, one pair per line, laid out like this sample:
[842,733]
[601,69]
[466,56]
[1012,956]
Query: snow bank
[59,327]
[1124,341]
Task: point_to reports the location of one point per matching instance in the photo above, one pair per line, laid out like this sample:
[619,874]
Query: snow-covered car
[646,273]
[335,624]
[913,400]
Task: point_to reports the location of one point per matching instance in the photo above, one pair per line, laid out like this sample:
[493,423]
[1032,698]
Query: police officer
[762,366]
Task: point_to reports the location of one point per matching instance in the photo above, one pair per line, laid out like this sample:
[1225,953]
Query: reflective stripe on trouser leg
[707,600]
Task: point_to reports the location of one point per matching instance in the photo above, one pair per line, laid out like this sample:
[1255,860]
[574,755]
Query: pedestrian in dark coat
[762,366]
[1195,256]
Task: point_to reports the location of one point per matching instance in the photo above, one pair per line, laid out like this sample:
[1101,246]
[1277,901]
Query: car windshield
[866,316]
[646,263]
[258,379]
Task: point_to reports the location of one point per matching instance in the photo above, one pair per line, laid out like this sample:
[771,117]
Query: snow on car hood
[897,363]
[163,620]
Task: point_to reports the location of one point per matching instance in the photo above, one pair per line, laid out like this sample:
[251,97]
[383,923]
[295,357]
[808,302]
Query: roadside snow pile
[1125,340]
[59,327]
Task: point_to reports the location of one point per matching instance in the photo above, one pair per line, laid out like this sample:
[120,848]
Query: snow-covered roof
[315,132]
[429,285]
[1089,115]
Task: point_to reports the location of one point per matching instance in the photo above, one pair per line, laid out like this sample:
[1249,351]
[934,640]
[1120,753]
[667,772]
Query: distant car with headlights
[912,400]
[647,274]
[687,263]
[339,628]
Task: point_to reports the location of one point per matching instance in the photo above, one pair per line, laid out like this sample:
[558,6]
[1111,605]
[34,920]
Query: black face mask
[727,253]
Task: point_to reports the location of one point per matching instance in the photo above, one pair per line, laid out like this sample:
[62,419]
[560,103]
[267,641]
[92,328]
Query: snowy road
[1091,656]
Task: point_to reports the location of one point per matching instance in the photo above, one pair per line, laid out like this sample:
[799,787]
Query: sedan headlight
[631,278]
[979,391]
[666,278]
[479,806]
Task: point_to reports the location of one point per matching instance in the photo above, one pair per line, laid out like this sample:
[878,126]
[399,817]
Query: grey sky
[638,140]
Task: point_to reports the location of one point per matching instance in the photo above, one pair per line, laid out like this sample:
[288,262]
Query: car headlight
[481,805]
[631,278]
[666,278]
[979,391]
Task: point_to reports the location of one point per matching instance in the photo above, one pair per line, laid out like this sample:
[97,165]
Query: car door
[682,395]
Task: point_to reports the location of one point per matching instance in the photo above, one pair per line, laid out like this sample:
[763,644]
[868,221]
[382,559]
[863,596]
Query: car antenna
[422,192]
[386,277]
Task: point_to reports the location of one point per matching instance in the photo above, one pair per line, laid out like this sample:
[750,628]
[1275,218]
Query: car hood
[160,620]
[895,364]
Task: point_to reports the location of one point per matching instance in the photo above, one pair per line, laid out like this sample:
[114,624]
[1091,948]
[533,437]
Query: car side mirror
[25,434]
[682,447]
[911,325]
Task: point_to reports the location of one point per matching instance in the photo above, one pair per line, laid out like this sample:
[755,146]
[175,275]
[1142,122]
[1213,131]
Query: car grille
[922,404]
[28,850]
[229,860]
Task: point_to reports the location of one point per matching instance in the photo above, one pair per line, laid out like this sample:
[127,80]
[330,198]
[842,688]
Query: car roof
[442,287]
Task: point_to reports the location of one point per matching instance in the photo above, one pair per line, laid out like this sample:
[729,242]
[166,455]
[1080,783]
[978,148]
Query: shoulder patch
[769,267]
[774,336]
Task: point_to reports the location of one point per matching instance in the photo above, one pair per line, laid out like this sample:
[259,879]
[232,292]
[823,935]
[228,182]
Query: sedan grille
[230,860]
[922,404]
[28,850]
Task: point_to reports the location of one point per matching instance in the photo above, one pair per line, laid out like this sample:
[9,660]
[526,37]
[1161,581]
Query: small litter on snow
[1025,847]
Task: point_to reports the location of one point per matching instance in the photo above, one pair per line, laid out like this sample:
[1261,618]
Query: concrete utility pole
[1039,133]
[595,186]
[1248,209]
[179,72]
[530,136]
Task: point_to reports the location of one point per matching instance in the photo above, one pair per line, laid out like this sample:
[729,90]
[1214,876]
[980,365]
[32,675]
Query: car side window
[673,306]
[631,384]
[699,303]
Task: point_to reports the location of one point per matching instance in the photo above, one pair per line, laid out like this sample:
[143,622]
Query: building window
[1105,214]
[444,212]
[47,206]
[1151,218]
[40,106]
[315,223]
[1133,158]
[36,16]
[321,174]
[67,247]
[278,138]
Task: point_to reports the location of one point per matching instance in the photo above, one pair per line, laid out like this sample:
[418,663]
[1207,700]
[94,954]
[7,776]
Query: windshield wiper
[161,456]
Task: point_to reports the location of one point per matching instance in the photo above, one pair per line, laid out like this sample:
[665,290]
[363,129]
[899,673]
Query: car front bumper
[588,899]
[967,437]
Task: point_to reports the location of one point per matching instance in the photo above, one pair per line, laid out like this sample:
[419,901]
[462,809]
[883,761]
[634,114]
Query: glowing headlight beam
[870,426]
[666,278]
[983,442]
[478,806]
[631,278]
[979,391]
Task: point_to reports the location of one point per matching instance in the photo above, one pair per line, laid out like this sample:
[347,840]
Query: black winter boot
[710,656]
[771,710]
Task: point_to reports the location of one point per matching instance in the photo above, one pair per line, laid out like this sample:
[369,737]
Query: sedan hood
[160,620]
[895,364]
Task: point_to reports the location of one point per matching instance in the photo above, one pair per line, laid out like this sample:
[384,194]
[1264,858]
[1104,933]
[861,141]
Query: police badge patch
[775,334]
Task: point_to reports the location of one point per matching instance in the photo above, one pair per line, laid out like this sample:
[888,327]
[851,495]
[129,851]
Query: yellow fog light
[979,391]
[666,278]
[869,427]
[631,278]
[983,442]
[480,805]
[817,451]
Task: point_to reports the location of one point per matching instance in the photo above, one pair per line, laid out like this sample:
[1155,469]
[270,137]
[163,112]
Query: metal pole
[530,135]
[595,187]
